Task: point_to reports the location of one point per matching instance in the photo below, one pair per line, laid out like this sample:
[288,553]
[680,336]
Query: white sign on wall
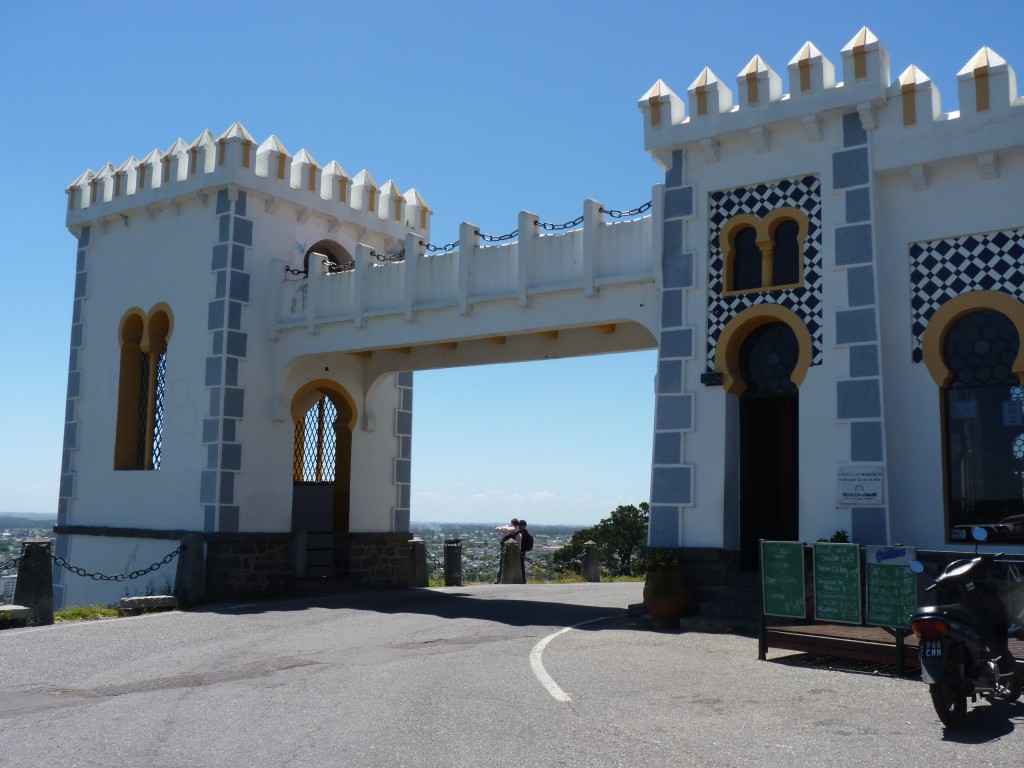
[860,484]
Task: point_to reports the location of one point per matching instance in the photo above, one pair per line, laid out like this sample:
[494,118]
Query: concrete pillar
[418,576]
[591,564]
[190,579]
[511,567]
[34,588]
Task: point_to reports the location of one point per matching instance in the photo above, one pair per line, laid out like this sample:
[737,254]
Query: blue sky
[486,108]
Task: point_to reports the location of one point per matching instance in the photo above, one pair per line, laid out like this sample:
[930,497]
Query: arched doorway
[769,446]
[324,416]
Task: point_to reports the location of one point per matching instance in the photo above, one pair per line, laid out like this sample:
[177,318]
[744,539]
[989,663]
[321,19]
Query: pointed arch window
[138,442]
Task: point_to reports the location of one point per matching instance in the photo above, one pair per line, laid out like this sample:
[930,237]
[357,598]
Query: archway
[324,415]
[764,354]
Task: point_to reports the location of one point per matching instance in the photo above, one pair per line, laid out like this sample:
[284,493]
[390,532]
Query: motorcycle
[963,638]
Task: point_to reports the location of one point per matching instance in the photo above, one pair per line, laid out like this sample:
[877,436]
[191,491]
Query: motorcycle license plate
[931,649]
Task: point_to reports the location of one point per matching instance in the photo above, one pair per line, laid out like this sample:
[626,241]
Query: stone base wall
[708,571]
[249,565]
[373,560]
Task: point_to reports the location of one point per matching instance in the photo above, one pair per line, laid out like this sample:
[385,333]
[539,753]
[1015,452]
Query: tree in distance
[620,538]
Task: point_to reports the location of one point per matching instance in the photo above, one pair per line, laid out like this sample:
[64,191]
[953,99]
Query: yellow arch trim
[727,353]
[159,327]
[337,394]
[953,310]
[125,333]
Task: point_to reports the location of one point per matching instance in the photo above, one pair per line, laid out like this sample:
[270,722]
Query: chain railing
[10,563]
[58,560]
[547,226]
[446,248]
[627,214]
[400,256]
[559,227]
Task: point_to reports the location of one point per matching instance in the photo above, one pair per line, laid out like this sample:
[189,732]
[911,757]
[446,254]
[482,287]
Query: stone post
[511,568]
[418,563]
[34,588]
[190,579]
[591,564]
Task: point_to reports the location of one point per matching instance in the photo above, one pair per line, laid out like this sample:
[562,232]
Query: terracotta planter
[667,598]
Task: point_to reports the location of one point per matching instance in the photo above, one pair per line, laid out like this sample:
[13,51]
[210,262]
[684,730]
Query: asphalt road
[442,677]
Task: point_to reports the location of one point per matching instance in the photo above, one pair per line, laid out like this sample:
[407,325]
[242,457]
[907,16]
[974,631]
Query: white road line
[537,665]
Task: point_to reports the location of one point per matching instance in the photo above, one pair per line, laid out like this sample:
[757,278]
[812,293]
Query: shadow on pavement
[475,604]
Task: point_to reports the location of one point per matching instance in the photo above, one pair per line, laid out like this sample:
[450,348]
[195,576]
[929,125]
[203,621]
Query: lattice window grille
[315,444]
[158,415]
[141,437]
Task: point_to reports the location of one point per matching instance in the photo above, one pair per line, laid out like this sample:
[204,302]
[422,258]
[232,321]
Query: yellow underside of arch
[953,310]
[727,353]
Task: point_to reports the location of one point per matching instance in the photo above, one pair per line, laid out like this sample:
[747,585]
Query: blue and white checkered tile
[803,194]
[941,270]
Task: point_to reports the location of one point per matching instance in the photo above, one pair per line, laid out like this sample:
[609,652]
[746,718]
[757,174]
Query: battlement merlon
[987,89]
[193,173]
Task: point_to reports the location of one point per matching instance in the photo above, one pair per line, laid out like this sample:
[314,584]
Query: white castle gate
[833,278]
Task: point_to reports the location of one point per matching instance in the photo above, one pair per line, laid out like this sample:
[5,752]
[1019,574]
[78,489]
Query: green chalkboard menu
[837,583]
[782,578]
[892,587]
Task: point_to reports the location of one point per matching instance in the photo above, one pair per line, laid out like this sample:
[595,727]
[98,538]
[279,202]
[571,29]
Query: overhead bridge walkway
[545,291]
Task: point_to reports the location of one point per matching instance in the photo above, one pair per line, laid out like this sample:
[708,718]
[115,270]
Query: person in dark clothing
[525,545]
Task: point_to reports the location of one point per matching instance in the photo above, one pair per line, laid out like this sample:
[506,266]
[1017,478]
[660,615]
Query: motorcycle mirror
[979,533]
[916,566]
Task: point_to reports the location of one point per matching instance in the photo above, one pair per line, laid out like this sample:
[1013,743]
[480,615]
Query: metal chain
[543,225]
[435,248]
[557,227]
[58,560]
[334,269]
[400,256]
[497,238]
[626,214]
[10,563]
[291,271]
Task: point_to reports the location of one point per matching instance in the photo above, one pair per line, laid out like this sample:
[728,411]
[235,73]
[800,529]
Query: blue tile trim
[868,525]
[671,308]
[215,315]
[866,441]
[672,485]
[231,456]
[853,130]
[855,325]
[863,360]
[677,343]
[858,399]
[668,448]
[858,205]
[403,423]
[850,168]
[860,286]
[679,203]
[853,245]
[663,526]
[229,515]
[674,412]
[670,377]
[674,175]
